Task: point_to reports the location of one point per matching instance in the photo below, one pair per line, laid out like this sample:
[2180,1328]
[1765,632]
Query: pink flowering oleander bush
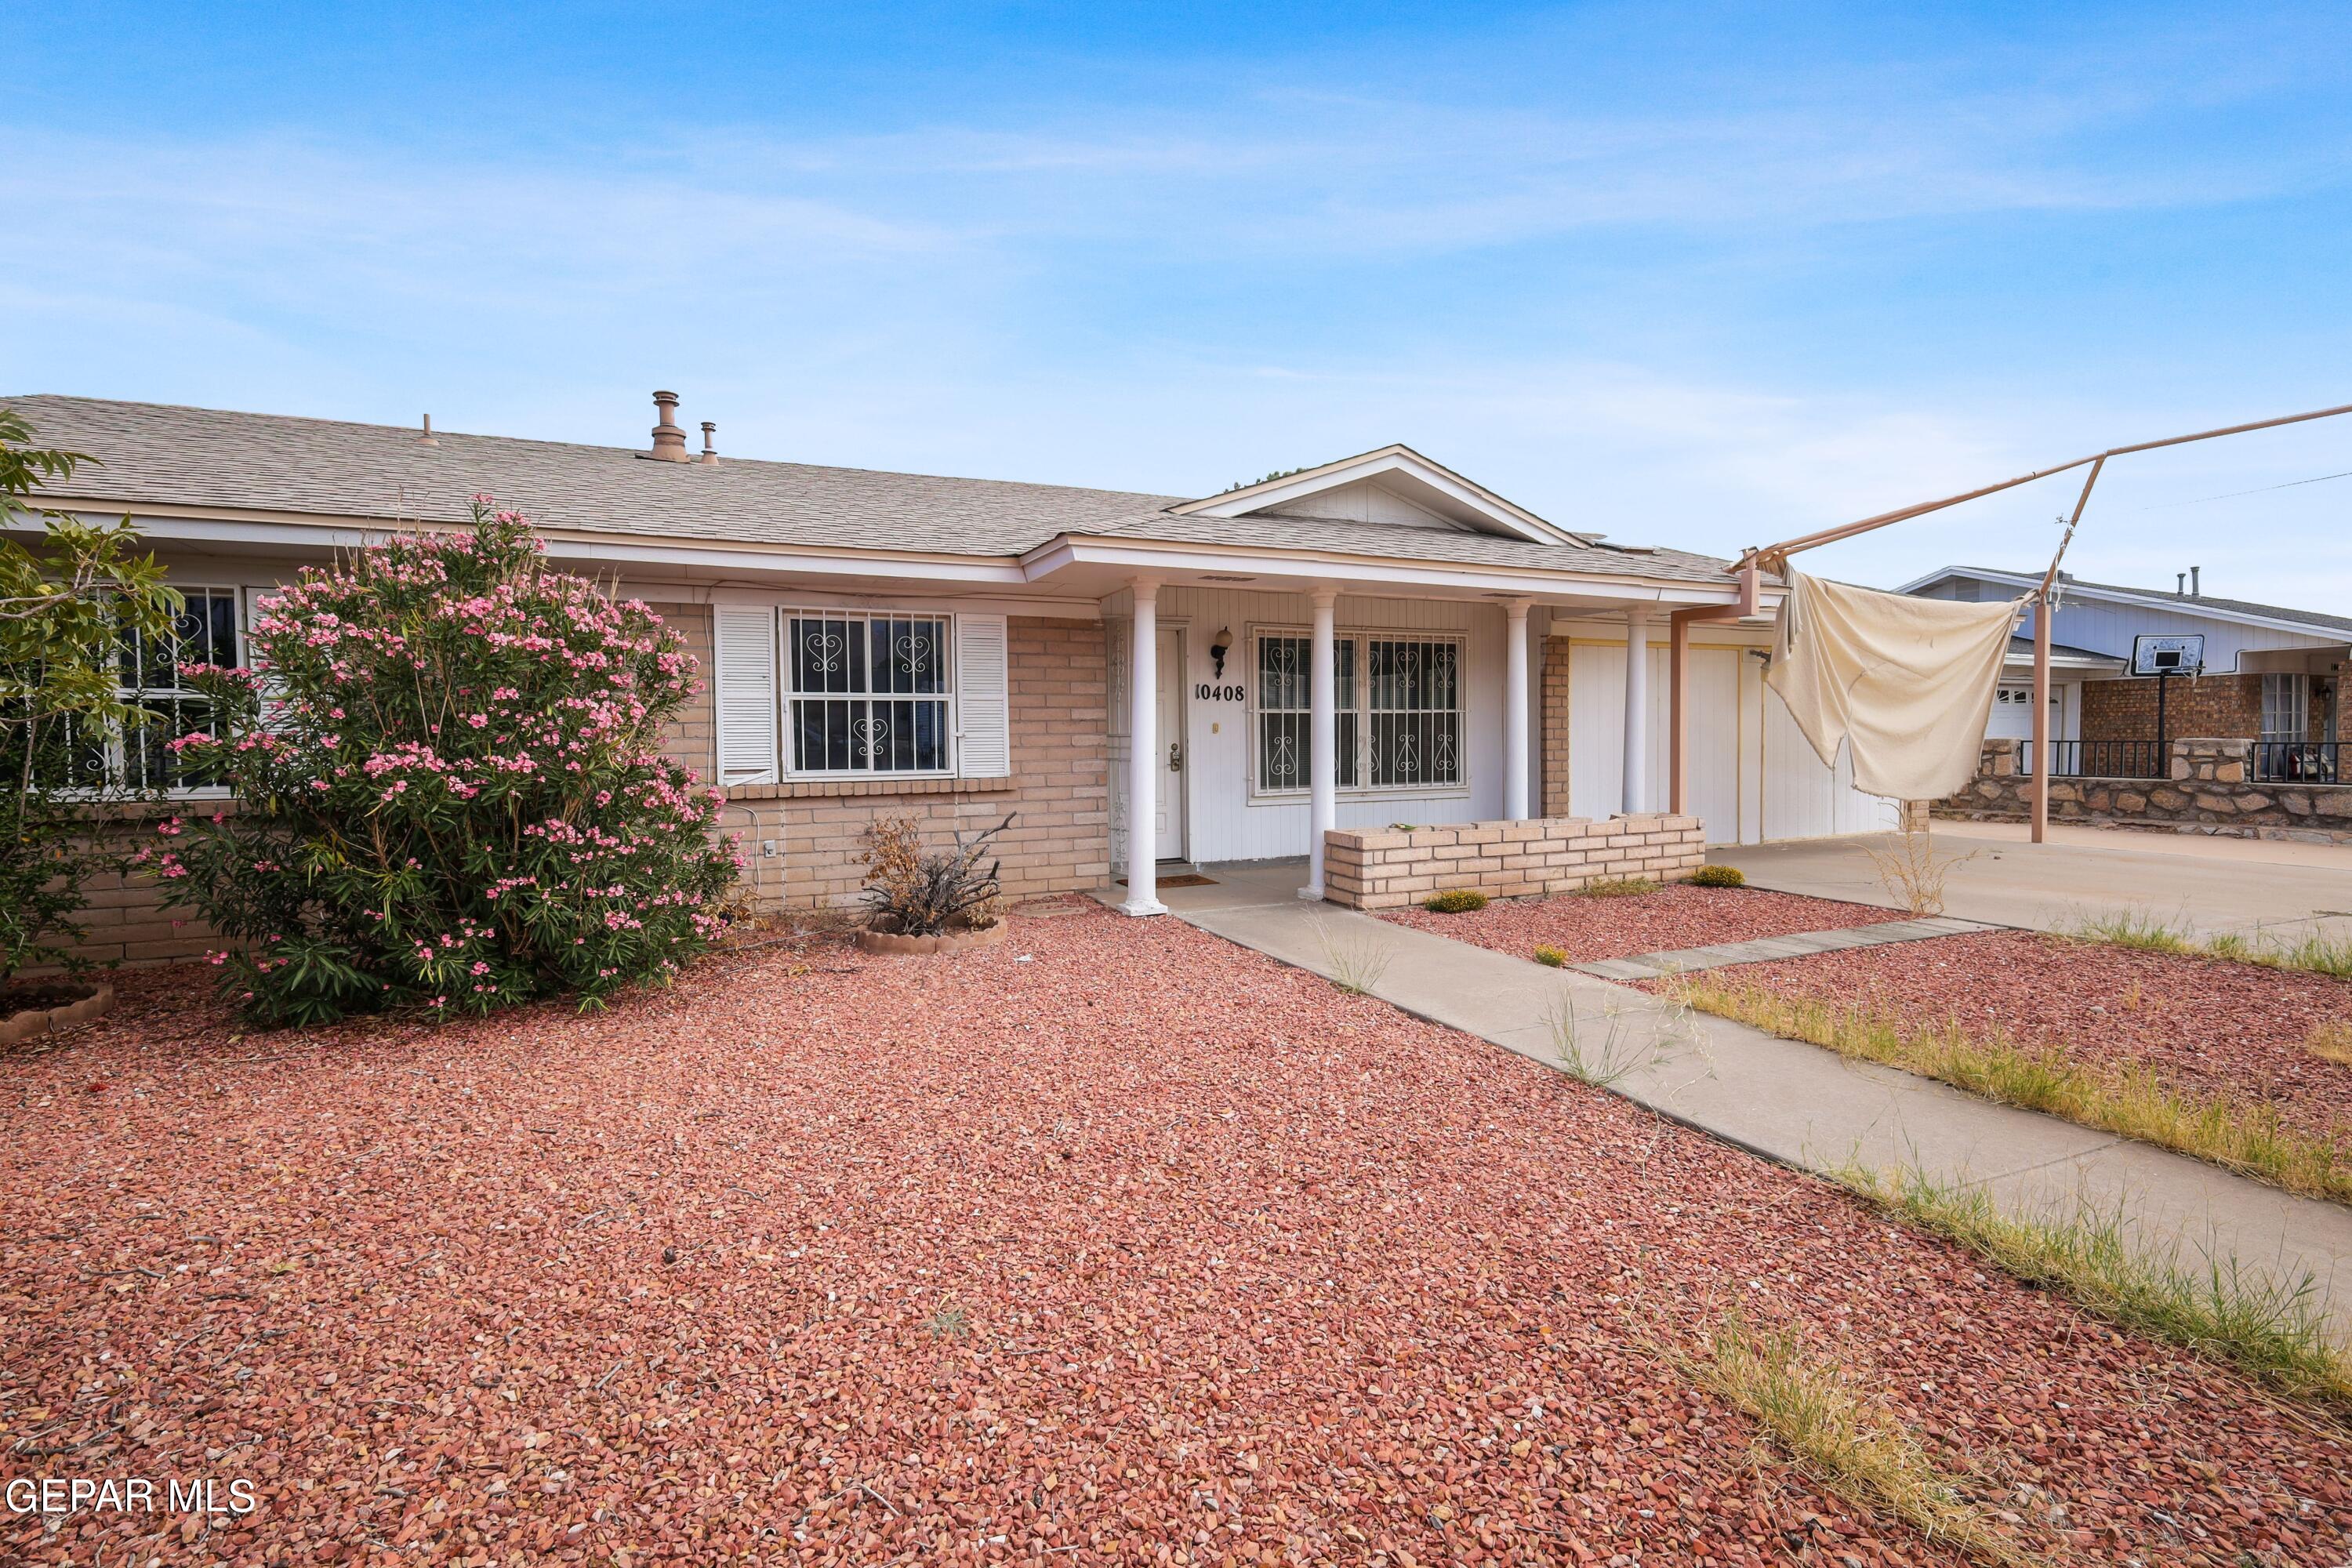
[449,790]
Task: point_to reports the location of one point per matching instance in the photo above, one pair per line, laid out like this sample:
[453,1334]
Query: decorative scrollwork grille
[868,694]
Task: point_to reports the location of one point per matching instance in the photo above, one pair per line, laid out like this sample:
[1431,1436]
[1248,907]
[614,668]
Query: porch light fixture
[1219,646]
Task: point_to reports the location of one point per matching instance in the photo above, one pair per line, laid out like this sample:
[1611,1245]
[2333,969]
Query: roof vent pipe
[2180,584]
[427,438]
[709,449]
[2195,591]
[669,440]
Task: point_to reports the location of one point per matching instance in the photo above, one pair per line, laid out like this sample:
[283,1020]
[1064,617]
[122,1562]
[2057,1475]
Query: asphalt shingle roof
[169,455]
[2184,601]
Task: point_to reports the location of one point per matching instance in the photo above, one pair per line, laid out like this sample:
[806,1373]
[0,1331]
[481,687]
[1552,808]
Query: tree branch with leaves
[69,596]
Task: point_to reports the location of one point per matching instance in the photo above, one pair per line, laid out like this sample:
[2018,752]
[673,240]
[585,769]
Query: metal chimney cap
[710,448]
[669,441]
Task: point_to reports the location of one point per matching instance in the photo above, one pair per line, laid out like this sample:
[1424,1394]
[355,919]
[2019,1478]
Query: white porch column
[1637,708]
[1143,758]
[1322,741]
[1515,712]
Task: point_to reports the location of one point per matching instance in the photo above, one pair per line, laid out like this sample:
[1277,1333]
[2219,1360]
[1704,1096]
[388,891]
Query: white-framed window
[2286,706]
[209,629]
[819,693]
[1399,727]
[868,694]
[1285,699]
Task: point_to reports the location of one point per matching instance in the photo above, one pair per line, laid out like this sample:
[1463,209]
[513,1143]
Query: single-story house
[960,649]
[2272,675]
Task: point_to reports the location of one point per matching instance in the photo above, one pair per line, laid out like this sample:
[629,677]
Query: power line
[2262,490]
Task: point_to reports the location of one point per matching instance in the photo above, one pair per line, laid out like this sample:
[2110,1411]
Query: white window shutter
[744,641]
[983,699]
[249,611]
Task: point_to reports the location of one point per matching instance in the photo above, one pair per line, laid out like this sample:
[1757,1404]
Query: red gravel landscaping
[1588,929]
[1112,1243]
[2208,1025]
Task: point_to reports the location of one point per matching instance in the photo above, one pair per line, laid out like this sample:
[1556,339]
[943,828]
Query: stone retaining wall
[1508,859]
[2206,790]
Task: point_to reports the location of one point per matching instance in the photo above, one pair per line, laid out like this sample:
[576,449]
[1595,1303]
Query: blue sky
[1693,275]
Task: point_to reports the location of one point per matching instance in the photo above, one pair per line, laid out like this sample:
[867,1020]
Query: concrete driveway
[2254,887]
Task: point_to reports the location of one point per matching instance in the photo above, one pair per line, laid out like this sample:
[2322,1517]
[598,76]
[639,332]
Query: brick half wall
[1508,859]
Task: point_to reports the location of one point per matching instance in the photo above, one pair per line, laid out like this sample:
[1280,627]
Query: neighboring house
[2272,675]
[960,649]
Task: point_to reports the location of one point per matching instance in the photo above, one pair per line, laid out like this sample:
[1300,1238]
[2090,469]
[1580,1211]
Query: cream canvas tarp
[1907,682]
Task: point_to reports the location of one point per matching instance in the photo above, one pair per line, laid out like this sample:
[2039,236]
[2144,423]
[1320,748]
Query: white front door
[1168,804]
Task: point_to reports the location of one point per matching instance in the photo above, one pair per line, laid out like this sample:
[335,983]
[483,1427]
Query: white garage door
[1596,752]
[2012,711]
[1803,799]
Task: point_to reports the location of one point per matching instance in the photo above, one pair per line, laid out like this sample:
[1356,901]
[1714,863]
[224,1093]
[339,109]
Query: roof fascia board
[2151,601]
[789,595]
[1269,494]
[2061,661]
[1074,549]
[339,533]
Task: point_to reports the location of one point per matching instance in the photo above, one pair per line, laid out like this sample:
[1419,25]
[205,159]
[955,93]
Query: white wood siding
[1752,775]
[1366,500]
[1721,784]
[2104,627]
[1227,822]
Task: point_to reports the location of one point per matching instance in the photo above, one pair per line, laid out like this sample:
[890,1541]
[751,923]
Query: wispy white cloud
[1178,291]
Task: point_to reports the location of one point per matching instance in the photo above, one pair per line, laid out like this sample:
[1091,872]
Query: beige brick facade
[128,923]
[800,840]
[1059,789]
[1555,726]
[1508,859]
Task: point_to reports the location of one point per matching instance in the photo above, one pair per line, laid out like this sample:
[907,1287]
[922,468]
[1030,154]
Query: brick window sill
[834,789]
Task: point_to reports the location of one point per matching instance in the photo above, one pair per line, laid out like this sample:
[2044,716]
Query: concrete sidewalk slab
[1789,1101]
[1763,950]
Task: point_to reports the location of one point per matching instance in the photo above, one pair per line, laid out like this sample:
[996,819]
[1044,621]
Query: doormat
[1189,880]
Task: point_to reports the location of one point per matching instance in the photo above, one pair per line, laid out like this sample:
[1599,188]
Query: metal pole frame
[2043,760]
[1775,558]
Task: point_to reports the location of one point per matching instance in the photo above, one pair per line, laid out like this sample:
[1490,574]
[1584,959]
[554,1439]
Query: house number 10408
[1204,693]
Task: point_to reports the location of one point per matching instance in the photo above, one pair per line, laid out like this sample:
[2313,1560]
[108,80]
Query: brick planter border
[1542,856]
[25,1025]
[891,943]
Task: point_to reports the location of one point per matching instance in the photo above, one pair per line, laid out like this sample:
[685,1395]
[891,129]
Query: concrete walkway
[2211,886]
[1787,1101]
[1764,949]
